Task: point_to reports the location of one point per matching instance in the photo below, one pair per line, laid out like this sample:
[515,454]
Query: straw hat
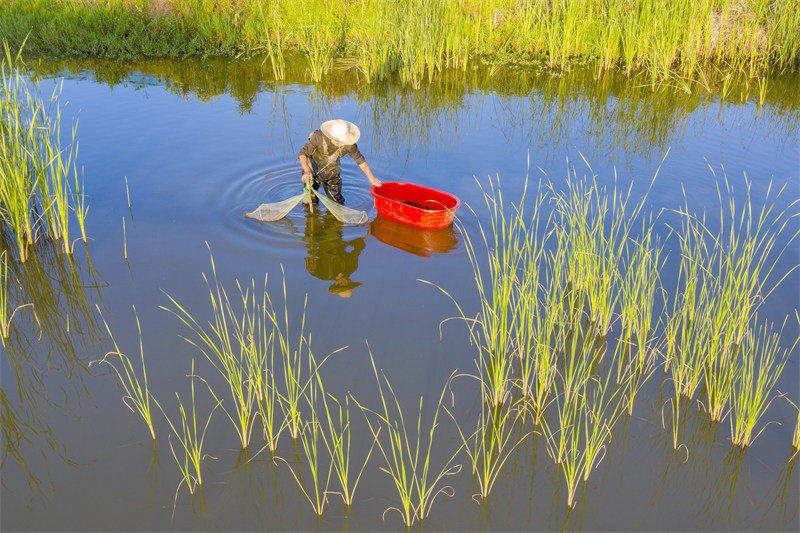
[341,131]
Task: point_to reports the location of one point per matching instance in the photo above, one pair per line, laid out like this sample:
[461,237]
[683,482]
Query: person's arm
[361,161]
[305,151]
[307,173]
[372,179]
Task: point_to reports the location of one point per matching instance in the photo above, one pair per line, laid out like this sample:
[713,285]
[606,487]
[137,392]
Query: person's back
[319,157]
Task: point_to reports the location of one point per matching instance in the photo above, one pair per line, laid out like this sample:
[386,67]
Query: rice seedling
[137,391]
[310,437]
[741,263]
[236,343]
[336,436]
[490,445]
[294,380]
[751,392]
[587,411]
[189,455]
[796,437]
[492,332]
[408,459]
[639,287]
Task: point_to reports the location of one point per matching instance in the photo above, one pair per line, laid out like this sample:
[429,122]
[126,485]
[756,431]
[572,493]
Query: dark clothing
[332,185]
[325,155]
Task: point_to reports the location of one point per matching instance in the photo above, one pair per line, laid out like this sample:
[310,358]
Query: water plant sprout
[407,459]
[137,390]
[191,437]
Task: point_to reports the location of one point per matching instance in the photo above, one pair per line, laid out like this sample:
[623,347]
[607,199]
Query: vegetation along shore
[416,40]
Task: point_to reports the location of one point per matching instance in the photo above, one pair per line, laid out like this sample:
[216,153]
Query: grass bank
[416,40]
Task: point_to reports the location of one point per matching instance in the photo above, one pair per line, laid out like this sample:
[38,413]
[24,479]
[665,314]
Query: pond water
[200,143]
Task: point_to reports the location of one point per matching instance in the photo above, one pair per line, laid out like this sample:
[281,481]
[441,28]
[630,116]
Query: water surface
[200,143]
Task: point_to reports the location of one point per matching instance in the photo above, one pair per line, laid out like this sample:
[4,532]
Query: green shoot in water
[189,456]
[137,391]
[760,364]
[237,345]
[408,458]
[336,436]
[310,436]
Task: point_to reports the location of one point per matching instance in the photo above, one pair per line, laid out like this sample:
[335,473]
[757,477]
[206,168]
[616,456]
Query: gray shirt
[326,155]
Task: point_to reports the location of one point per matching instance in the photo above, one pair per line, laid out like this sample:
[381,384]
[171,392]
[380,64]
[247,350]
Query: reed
[408,457]
[490,445]
[418,39]
[137,390]
[336,436]
[639,287]
[189,456]
[310,437]
[760,363]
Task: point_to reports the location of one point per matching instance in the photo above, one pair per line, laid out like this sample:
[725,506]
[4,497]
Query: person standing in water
[319,158]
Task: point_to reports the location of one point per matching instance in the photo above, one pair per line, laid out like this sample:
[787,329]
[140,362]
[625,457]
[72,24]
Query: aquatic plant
[336,436]
[408,458]
[419,39]
[190,455]
[751,392]
[490,445]
[236,344]
[137,391]
[310,437]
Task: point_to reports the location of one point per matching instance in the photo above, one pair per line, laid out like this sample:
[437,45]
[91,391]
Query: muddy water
[200,143]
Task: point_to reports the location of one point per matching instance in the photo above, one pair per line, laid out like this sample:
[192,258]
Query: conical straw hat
[341,131]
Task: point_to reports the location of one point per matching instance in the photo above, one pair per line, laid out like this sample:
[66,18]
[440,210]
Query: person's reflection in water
[330,257]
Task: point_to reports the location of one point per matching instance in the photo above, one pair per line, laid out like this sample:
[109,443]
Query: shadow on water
[44,366]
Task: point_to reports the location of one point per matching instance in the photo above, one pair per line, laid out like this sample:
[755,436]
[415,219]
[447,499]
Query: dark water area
[200,143]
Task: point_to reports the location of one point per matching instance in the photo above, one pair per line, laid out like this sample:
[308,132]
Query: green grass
[40,176]
[416,40]
[759,364]
[189,456]
[408,455]
[137,390]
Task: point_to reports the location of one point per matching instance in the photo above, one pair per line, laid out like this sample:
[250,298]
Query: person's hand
[375,182]
[307,177]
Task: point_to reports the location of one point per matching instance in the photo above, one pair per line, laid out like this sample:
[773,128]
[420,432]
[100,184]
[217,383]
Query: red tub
[415,205]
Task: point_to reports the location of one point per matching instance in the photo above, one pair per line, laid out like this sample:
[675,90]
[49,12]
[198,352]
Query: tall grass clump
[760,363]
[189,456]
[236,344]
[417,40]
[408,453]
[137,390]
[313,442]
[38,170]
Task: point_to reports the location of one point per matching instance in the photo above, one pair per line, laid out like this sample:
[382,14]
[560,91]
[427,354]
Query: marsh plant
[408,452]
[312,441]
[137,395]
[190,436]
[760,362]
[40,186]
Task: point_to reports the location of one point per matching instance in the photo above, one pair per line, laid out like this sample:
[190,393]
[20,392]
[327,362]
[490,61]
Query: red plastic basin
[415,205]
